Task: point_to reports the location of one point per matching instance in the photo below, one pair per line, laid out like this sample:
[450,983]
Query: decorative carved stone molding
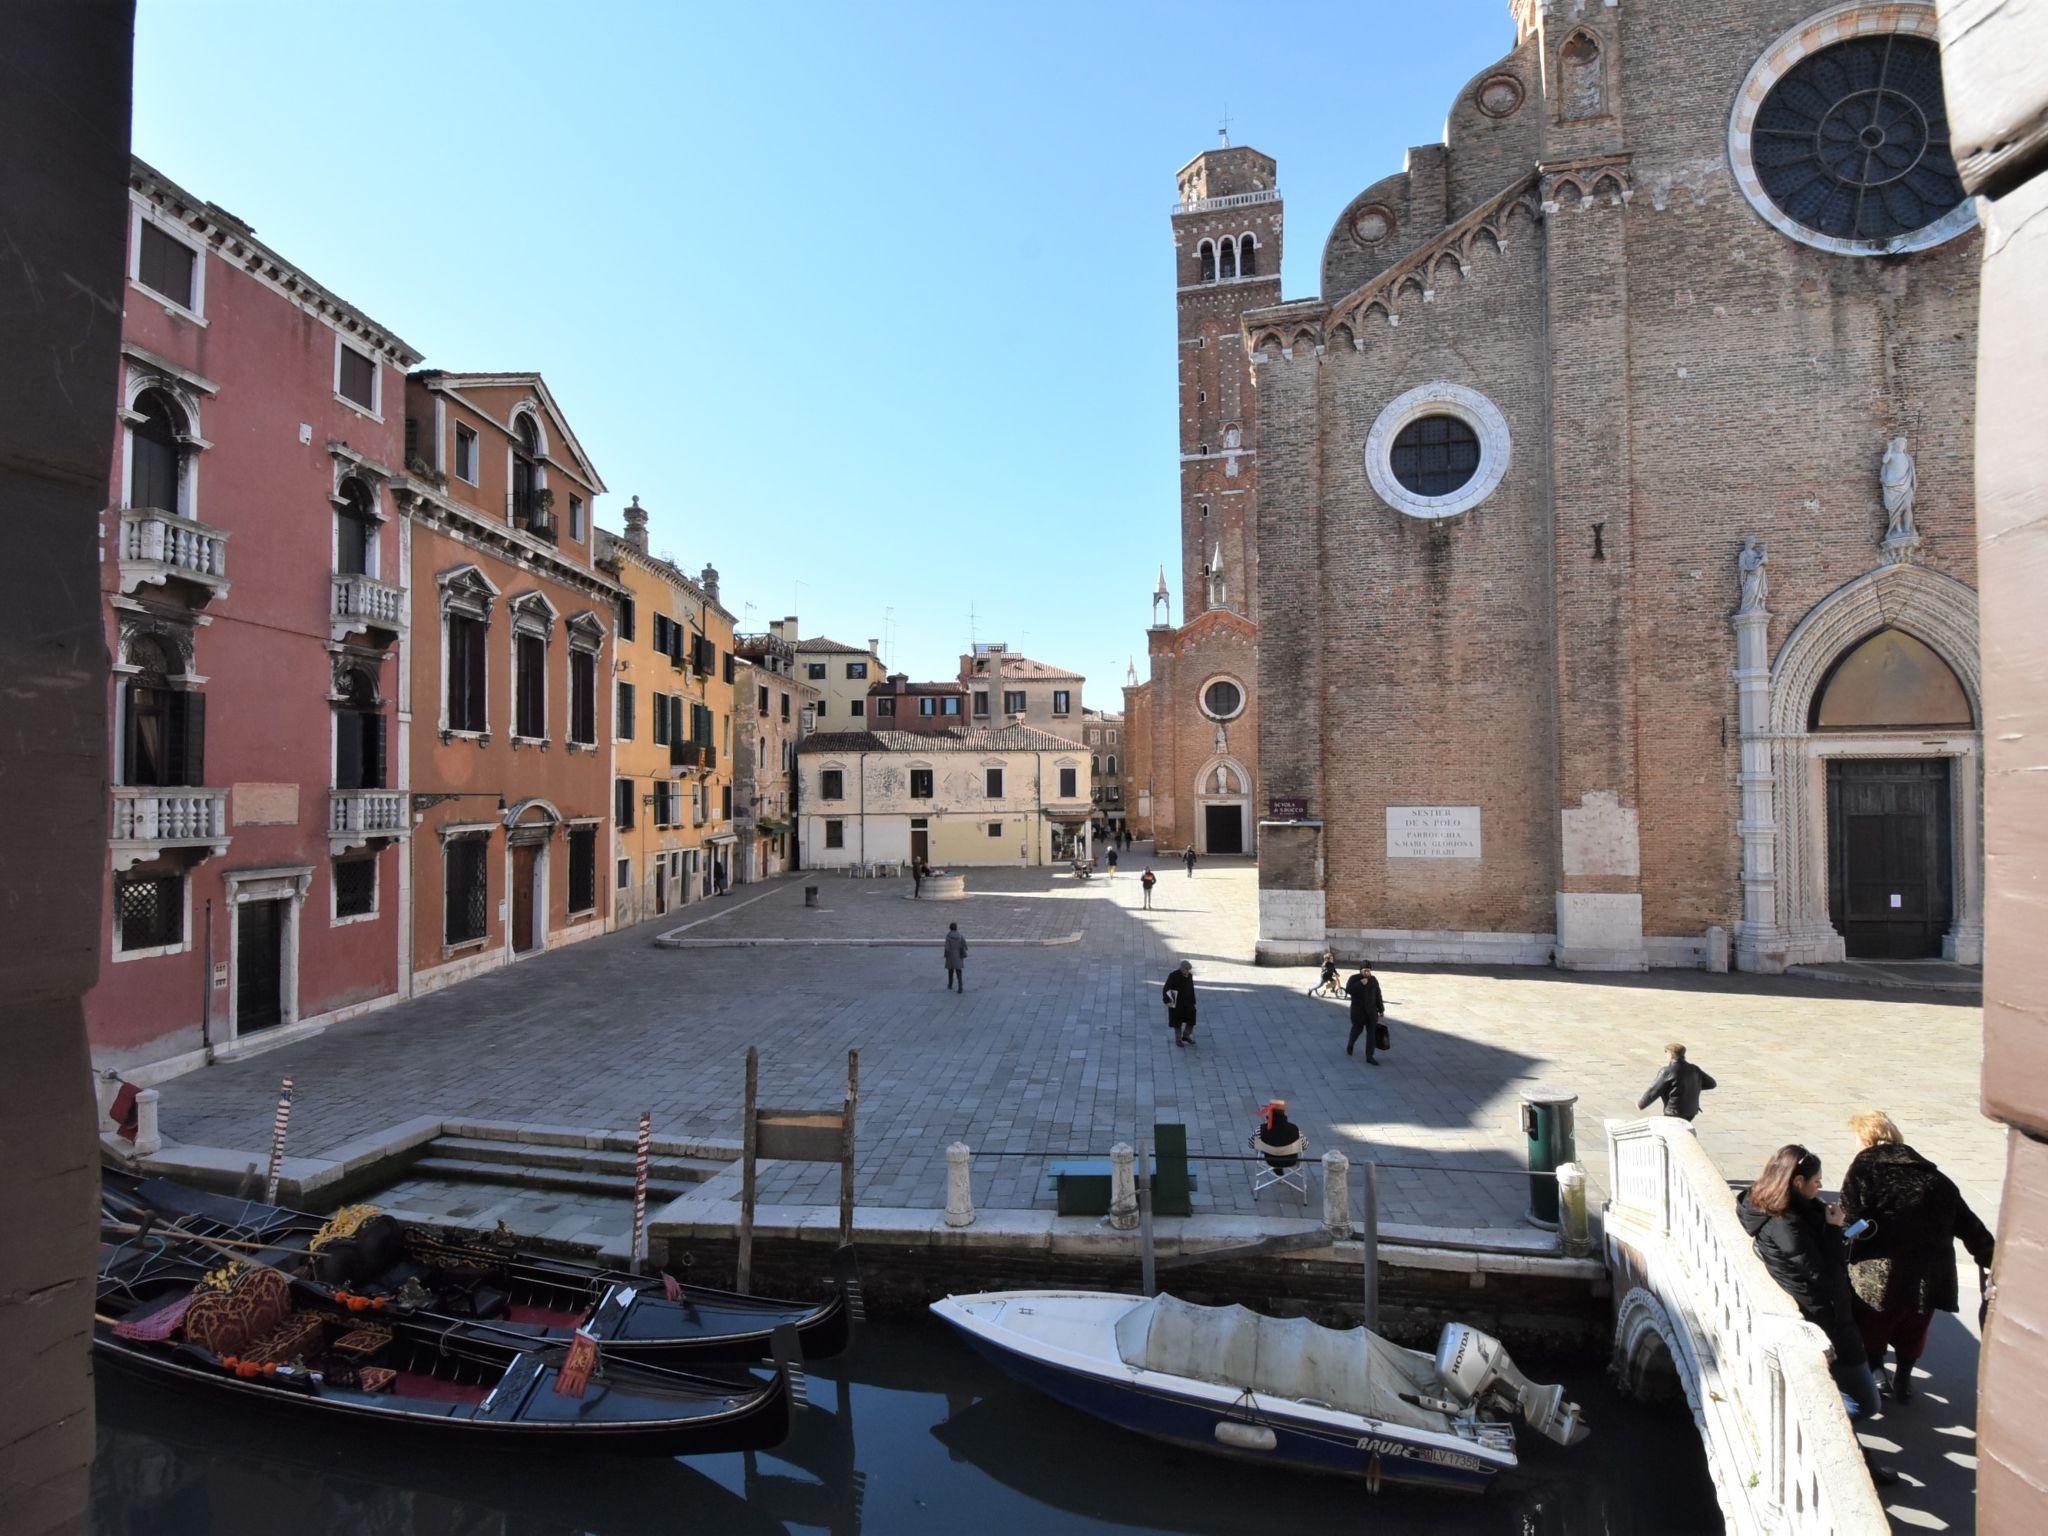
[1498,95]
[1490,221]
[1438,398]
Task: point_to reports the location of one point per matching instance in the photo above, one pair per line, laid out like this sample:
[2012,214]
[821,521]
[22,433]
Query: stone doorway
[259,964]
[528,901]
[1223,828]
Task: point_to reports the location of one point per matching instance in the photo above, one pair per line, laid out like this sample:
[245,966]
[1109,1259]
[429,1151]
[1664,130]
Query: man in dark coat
[1679,1085]
[1188,858]
[1179,996]
[1366,1007]
[1903,1270]
[956,958]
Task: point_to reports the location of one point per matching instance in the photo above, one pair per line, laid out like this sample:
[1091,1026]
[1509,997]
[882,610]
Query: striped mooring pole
[640,1195]
[284,1113]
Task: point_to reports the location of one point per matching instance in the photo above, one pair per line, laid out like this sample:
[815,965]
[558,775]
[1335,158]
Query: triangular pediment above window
[466,589]
[532,610]
[586,630]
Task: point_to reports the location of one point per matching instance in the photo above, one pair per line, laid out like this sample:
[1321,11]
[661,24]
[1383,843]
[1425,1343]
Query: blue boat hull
[1301,1445]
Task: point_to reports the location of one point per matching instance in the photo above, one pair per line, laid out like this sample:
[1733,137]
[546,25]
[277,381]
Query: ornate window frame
[466,592]
[533,617]
[1439,398]
[1838,24]
[1244,696]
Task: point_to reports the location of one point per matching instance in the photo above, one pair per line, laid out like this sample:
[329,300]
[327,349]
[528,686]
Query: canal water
[908,1433]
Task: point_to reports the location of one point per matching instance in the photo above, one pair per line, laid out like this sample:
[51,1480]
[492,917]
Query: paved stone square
[1060,1047]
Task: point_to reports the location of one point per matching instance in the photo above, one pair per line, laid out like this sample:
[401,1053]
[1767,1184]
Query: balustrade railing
[371,812]
[153,815]
[364,599]
[180,545]
[1234,200]
[1780,1443]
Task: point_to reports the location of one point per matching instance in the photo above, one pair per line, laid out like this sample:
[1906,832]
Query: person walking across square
[1366,1008]
[1112,861]
[1679,1085]
[1146,881]
[1179,996]
[956,959]
[1188,858]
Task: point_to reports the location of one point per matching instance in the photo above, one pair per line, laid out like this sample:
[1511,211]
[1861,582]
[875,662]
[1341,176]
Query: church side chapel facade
[1615,520]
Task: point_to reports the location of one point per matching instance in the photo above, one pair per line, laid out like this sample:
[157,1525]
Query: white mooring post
[1123,1187]
[1573,1224]
[1337,1192]
[959,1185]
[149,1139]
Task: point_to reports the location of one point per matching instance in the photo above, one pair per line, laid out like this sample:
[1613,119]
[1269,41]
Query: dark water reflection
[910,1433]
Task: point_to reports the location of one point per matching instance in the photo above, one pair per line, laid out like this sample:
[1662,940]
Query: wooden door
[1225,827]
[920,846]
[525,873]
[1890,867]
[259,965]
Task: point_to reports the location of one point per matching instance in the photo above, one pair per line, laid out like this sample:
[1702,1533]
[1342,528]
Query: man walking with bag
[1179,996]
[1367,1006]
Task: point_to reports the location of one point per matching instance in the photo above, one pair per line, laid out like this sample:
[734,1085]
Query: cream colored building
[987,795]
[841,673]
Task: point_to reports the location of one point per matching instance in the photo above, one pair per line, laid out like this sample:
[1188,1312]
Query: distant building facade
[985,795]
[1005,686]
[1103,736]
[898,704]
[773,708]
[842,674]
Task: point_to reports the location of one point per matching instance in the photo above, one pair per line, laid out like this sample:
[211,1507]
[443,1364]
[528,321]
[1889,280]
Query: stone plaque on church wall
[1432,831]
[266,805]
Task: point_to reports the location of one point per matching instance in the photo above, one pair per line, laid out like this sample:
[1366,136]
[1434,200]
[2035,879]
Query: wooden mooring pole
[744,1268]
[846,1148]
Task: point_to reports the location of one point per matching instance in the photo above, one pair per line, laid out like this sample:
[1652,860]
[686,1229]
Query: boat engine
[1476,1368]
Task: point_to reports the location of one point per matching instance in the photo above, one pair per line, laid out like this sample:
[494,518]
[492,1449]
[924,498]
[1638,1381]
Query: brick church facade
[1192,727]
[1614,559]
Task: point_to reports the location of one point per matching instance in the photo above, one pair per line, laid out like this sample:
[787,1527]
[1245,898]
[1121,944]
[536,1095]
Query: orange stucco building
[504,718]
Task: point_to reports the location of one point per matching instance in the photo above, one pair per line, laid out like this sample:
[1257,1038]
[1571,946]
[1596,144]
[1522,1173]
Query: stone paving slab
[1056,1051]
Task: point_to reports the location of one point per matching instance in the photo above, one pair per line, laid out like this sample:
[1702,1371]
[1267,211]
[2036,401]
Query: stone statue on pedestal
[1899,483]
[1756,581]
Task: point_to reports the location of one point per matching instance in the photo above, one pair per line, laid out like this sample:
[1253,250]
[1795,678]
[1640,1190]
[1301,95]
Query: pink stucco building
[255,611]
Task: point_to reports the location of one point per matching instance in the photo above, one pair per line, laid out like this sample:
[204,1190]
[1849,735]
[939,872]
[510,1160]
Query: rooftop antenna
[973,634]
[1223,132]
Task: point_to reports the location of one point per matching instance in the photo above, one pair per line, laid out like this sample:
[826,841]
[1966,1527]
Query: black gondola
[290,1351]
[490,1291]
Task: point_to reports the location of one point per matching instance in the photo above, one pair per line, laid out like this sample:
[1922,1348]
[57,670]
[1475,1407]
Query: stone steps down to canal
[603,1171]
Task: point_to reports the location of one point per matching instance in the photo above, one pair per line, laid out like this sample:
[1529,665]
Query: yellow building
[672,731]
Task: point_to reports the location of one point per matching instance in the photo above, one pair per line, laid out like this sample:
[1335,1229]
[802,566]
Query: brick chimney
[709,582]
[636,526]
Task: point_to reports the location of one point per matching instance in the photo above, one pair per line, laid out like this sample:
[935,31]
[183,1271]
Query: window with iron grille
[624,727]
[1434,455]
[622,803]
[467,890]
[1853,142]
[355,887]
[835,834]
[531,683]
[466,710]
[149,911]
[920,783]
[832,784]
[583,698]
[583,869]
[165,265]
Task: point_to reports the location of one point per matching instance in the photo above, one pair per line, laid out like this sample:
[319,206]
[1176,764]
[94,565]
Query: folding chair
[1281,1165]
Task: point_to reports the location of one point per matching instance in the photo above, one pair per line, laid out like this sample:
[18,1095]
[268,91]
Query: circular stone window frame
[1383,212]
[1839,24]
[1202,697]
[1441,398]
[1486,87]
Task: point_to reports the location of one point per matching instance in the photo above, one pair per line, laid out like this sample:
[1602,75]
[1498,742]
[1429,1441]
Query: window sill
[583,746]
[361,410]
[171,306]
[353,919]
[481,738]
[156,952]
[466,946]
[519,741]
[590,911]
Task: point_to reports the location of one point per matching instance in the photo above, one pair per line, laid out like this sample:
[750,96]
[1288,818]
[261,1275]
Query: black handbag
[1381,1040]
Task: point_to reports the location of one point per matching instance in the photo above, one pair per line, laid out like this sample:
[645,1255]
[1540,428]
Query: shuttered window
[358,749]
[832,784]
[532,684]
[582,869]
[1069,783]
[358,378]
[622,803]
[165,265]
[583,698]
[164,741]
[466,710]
[624,725]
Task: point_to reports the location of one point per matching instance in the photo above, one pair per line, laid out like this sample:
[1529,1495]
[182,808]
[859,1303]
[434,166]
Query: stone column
[959,1185]
[1337,1192]
[1759,941]
[1123,1188]
[148,1139]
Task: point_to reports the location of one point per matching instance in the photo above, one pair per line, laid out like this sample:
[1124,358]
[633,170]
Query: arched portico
[1786,761]
[1223,807]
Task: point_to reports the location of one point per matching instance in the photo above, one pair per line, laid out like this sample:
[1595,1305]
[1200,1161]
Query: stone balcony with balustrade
[160,548]
[362,604]
[355,816]
[151,821]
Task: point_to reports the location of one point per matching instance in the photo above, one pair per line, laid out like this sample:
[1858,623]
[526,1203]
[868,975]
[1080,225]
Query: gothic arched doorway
[1223,807]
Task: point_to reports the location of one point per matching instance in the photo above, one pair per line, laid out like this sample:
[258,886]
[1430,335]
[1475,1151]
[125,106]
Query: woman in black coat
[1800,1242]
[1179,996]
[1903,1270]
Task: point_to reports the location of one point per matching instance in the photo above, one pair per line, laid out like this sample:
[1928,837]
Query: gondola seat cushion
[298,1337]
[229,1322]
[362,1342]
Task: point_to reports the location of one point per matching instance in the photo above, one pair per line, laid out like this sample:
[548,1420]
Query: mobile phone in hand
[1856,1229]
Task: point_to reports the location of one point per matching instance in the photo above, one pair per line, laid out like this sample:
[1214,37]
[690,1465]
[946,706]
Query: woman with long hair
[1903,1270]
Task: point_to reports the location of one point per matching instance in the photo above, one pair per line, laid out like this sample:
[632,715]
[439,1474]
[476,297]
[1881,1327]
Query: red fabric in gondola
[123,1112]
[573,1379]
[546,1317]
[158,1325]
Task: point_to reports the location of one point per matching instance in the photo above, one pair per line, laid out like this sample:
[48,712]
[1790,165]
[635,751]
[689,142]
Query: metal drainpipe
[862,769]
[206,991]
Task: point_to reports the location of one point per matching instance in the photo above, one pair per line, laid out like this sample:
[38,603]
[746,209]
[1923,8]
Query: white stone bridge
[1696,1312]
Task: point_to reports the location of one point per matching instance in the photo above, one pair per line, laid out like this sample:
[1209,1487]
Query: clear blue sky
[876,298]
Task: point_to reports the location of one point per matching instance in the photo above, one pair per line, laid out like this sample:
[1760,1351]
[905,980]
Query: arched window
[156,455]
[1094,763]
[1247,256]
[163,728]
[1890,681]
[1226,266]
[358,733]
[525,472]
[1112,765]
[1205,255]
[355,545]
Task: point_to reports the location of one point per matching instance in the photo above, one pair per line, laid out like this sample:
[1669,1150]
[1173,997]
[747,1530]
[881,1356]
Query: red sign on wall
[1287,808]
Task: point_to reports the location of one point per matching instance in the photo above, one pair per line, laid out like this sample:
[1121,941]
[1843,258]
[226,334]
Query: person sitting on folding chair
[1279,1141]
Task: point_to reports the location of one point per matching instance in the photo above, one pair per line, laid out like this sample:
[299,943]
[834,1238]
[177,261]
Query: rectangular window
[165,737]
[358,749]
[857,669]
[920,783]
[575,517]
[731,664]
[835,834]
[950,706]
[761,699]
[465,453]
[625,875]
[927,705]
[626,626]
[355,887]
[995,829]
[1013,701]
[703,655]
[466,894]
[661,719]
[725,802]
[821,709]
[583,698]
[832,784]
[981,702]
[582,869]
[466,673]
[785,706]
[355,377]
[622,803]
[166,265]
[149,910]
[624,728]
[815,671]
[1061,701]
[857,708]
[1069,783]
[531,685]
[885,709]
[995,783]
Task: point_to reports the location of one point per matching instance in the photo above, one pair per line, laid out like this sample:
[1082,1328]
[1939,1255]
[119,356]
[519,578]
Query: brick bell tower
[1227,244]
